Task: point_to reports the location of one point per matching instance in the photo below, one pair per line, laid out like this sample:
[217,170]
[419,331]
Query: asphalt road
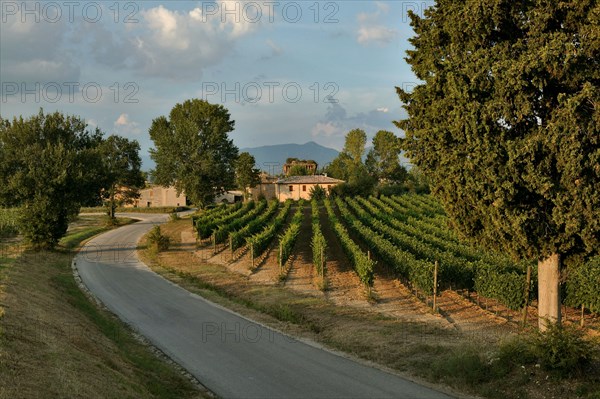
[232,356]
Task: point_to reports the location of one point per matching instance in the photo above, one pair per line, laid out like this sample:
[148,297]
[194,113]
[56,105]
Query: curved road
[232,356]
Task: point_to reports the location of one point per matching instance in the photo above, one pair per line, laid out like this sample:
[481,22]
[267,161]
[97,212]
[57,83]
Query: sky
[287,71]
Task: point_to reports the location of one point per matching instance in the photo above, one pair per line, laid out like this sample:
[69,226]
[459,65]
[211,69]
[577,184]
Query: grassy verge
[54,342]
[474,363]
[80,234]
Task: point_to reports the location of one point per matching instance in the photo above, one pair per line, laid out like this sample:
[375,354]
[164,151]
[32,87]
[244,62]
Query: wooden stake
[526,294]
[435,283]
[280,257]
[252,254]
[582,315]
[322,266]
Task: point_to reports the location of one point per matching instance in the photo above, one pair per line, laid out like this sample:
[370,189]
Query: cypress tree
[506,123]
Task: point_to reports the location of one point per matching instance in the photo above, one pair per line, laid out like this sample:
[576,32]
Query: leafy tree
[298,170]
[121,164]
[49,166]
[383,159]
[338,168]
[343,166]
[193,151]
[359,182]
[416,181]
[354,146]
[348,166]
[246,174]
[506,124]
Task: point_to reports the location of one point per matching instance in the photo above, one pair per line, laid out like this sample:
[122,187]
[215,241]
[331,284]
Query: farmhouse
[266,187]
[293,187]
[159,196]
[299,187]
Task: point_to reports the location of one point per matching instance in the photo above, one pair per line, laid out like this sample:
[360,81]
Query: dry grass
[55,343]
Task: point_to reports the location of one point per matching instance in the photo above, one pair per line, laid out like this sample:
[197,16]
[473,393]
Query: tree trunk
[112,207]
[549,310]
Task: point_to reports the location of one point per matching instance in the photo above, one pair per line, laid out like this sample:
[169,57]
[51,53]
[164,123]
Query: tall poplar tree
[246,174]
[506,124]
[193,151]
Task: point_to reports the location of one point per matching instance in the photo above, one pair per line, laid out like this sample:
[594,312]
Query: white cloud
[371,29]
[168,28]
[124,125]
[166,42]
[122,120]
[328,129]
[337,122]
[34,51]
[276,51]
[275,48]
[179,45]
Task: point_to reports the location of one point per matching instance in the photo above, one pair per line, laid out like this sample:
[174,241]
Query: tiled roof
[314,179]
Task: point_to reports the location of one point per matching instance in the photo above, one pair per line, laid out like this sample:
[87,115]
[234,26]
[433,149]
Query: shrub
[511,354]
[465,365]
[390,190]
[317,193]
[562,349]
[157,241]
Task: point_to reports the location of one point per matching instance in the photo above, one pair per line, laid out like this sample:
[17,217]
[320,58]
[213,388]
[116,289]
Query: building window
[303,188]
[291,188]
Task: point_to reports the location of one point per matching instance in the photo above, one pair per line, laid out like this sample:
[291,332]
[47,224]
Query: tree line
[53,164]
[377,172]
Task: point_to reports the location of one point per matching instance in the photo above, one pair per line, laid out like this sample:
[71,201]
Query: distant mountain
[271,158]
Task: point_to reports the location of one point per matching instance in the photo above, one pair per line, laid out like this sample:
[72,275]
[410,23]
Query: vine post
[435,283]
[323,266]
[280,257]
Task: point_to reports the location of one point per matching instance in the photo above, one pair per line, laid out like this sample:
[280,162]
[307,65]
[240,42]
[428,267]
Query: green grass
[157,376]
[74,239]
[128,365]
[8,222]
